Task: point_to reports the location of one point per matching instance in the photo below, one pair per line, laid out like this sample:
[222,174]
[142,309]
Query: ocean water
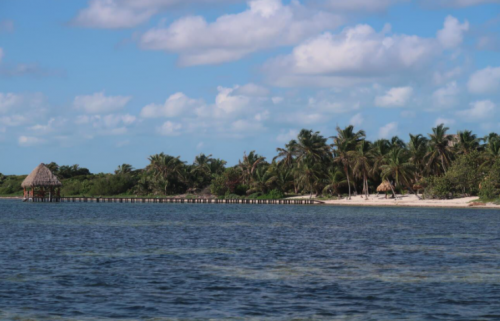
[260,262]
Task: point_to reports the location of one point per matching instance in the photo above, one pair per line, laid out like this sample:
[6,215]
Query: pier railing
[176,200]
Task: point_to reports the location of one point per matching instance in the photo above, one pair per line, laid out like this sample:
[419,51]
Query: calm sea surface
[187,261]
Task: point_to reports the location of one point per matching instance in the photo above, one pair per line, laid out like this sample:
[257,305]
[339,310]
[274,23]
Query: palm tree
[346,141]
[399,168]
[335,178]
[167,171]
[124,169]
[249,165]
[311,147]
[439,147]
[467,142]
[262,180]
[362,162]
[417,147]
[288,154]
[309,176]
[217,166]
[396,142]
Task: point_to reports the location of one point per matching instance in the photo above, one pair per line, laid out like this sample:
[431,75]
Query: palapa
[384,187]
[41,176]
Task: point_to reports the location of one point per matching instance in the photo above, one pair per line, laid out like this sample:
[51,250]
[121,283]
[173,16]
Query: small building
[42,186]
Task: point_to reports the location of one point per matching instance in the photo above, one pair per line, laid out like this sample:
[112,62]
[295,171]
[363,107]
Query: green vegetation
[437,165]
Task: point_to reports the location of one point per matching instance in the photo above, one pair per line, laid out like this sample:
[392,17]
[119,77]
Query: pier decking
[173,200]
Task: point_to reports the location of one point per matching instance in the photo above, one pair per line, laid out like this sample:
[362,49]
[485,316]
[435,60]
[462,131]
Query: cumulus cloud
[27,141]
[265,24]
[361,5]
[287,136]
[479,110]
[458,3]
[328,106]
[116,14]
[348,58]
[112,124]
[452,35]
[174,106]
[388,130]
[395,97]
[99,103]
[446,121]
[360,54]
[170,129]
[446,96]
[485,81]
[357,120]
[8,101]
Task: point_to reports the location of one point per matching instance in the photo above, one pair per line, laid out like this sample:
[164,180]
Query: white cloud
[265,24]
[441,78]
[112,124]
[115,14]
[170,129]
[174,106]
[252,90]
[354,55]
[445,121]
[395,97]
[335,107]
[51,126]
[361,5]
[285,137]
[246,126]
[485,81]
[446,96]
[479,110]
[460,3]
[27,141]
[98,103]
[8,101]
[452,35]
[277,100]
[357,120]
[388,130]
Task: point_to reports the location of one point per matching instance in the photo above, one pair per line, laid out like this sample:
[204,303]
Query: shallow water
[194,261]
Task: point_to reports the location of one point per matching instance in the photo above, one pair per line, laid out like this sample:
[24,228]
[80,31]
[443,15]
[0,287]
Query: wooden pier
[173,200]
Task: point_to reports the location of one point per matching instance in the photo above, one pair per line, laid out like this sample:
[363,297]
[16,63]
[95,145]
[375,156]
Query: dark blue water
[168,261]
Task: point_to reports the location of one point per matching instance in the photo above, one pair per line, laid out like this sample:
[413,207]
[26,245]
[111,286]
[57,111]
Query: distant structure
[42,186]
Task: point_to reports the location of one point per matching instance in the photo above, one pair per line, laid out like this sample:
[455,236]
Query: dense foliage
[438,165]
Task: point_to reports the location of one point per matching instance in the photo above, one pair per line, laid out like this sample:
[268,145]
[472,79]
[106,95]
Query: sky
[100,83]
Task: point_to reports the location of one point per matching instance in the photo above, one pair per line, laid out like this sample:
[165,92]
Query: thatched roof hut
[384,187]
[41,177]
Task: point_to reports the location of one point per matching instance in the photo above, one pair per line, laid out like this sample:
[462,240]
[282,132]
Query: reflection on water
[187,261]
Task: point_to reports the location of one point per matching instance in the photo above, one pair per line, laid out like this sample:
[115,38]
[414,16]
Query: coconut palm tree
[439,147]
[124,169]
[399,169]
[311,147]
[288,154]
[334,180]
[362,162]
[249,165]
[167,171]
[467,142]
[309,177]
[345,141]
[417,148]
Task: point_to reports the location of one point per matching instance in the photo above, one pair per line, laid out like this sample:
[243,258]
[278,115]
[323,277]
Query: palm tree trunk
[348,180]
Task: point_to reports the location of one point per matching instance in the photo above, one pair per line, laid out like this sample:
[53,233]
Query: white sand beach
[408,201]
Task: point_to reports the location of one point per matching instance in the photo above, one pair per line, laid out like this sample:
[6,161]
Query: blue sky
[105,82]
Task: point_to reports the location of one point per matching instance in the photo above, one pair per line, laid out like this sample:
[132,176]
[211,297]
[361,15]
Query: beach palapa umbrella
[384,187]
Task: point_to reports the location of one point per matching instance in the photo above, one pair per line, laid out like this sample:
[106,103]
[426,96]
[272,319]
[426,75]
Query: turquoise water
[187,261]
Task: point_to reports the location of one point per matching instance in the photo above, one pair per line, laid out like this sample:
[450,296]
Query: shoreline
[406,201]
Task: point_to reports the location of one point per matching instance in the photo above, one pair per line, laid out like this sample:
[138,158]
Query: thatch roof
[384,187]
[41,176]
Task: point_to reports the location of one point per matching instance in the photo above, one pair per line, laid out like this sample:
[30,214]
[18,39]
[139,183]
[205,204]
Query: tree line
[436,165]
